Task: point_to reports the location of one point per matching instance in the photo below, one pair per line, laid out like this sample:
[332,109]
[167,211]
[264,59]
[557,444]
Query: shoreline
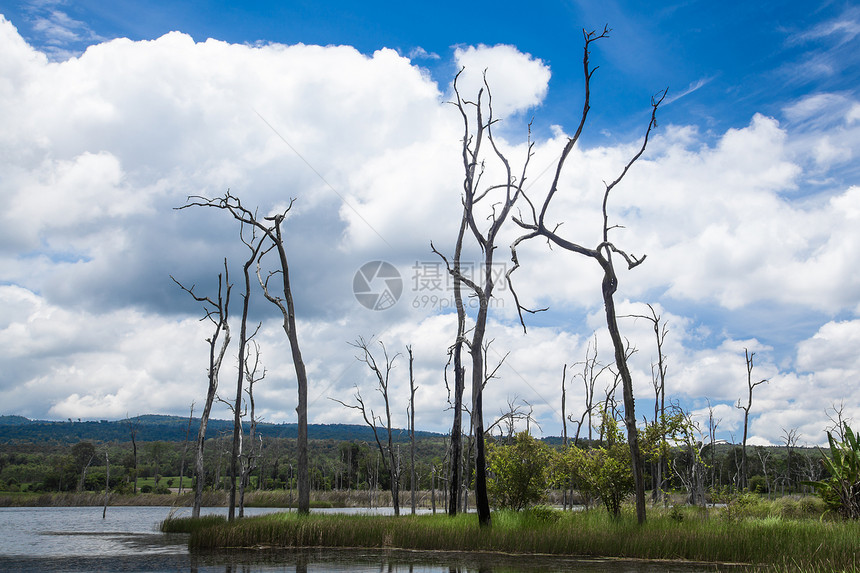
[783,543]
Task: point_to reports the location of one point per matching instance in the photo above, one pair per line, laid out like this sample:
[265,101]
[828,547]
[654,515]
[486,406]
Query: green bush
[519,472]
[758,484]
[841,491]
[603,471]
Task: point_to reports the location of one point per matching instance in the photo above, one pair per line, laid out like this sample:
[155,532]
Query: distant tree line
[357,464]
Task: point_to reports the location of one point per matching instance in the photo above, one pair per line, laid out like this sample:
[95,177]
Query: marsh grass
[190,524]
[794,544]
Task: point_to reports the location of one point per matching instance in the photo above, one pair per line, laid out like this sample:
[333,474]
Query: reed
[789,543]
[190,524]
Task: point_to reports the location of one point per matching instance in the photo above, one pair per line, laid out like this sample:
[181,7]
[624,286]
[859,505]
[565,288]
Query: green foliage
[603,471]
[519,472]
[841,491]
[758,484]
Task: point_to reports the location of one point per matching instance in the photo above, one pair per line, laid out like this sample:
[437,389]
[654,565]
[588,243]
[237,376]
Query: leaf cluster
[519,473]
[841,491]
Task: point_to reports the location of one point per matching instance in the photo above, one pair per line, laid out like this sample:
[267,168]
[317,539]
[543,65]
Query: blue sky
[746,201]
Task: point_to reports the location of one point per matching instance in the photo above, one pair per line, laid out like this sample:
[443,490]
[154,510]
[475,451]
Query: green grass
[190,524]
[792,544]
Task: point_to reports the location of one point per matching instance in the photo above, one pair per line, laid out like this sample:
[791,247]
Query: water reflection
[363,561]
[77,539]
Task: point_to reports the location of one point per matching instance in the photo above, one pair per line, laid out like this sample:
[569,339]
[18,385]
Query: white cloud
[518,81]
[97,150]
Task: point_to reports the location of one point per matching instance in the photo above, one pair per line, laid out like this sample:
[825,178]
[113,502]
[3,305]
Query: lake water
[77,539]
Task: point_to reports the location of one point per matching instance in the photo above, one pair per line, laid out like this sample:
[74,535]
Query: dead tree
[456,355]
[478,124]
[270,227]
[254,245]
[249,458]
[382,371]
[591,371]
[712,434]
[107,483]
[744,478]
[836,414]
[411,412]
[132,428]
[790,438]
[217,312]
[604,254]
[658,380]
[185,448]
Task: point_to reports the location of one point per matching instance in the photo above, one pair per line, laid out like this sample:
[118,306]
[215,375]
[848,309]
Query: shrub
[519,472]
[603,471]
[841,491]
[758,484]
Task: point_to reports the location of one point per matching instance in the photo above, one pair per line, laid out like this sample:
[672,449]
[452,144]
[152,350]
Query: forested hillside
[148,428]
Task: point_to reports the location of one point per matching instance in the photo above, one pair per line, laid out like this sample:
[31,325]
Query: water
[77,539]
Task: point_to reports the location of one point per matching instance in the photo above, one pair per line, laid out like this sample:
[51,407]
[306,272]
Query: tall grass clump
[190,524]
[689,534]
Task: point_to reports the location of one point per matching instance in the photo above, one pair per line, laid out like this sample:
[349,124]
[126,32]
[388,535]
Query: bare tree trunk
[744,475]
[412,388]
[217,312]
[132,427]
[602,254]
[459,377]
[107,483]
[254,247]
[249,462]
[185,449]
[610,284]
[659,382]
[284,301]
[382,373]
[482,287]
[289,325]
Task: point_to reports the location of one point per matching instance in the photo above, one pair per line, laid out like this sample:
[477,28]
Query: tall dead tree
[592,369]
[270,227]
[744,477]
[217,312]
[456,355]
[478,124]
[412,388]
[254,245]
[658,380]
[604,254]
[185,448]
[132,428]
[382,371]
[713,423]
[249,458]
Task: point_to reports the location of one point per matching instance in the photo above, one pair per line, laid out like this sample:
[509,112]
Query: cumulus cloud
[98,150]
[518,81]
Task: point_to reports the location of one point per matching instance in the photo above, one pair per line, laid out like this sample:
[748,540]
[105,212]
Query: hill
[154,427]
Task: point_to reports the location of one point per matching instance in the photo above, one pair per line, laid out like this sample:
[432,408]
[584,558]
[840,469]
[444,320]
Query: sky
[746,201]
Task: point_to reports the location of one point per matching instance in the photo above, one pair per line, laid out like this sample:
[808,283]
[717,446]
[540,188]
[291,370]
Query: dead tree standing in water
[382,373]
[217,312]
[283,299]
[477,126]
